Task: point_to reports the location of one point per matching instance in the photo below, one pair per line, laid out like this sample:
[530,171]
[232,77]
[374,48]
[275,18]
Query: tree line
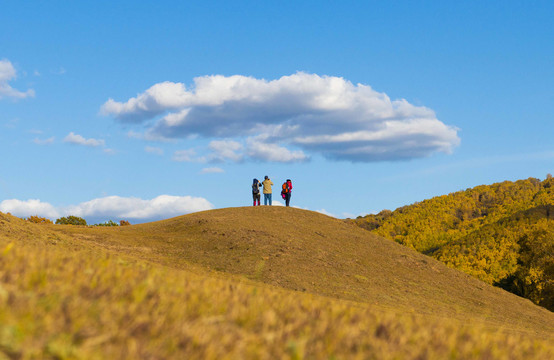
[73,220]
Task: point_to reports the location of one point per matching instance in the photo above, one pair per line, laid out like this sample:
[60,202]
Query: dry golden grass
[76,292]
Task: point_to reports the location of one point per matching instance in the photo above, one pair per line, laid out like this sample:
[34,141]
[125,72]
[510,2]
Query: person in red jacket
[286,192]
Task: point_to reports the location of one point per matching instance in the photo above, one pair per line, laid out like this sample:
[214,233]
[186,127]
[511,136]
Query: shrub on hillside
[71,220]
[107,223]
[38,220]
[124,223]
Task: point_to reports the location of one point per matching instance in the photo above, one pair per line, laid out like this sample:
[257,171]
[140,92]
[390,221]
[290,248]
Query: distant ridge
[502,234]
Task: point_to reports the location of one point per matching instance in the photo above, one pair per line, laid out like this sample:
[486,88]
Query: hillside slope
[310,252]
[63,297]
[501,233]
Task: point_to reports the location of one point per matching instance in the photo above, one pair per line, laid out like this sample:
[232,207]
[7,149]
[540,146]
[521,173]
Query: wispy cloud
[76,139]
[48,141]
[184,155]
[287,119]
[211,170]
[11,124]
[7,74]
[59,71]
[153,150]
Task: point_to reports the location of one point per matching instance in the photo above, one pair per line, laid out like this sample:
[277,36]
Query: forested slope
[501,233]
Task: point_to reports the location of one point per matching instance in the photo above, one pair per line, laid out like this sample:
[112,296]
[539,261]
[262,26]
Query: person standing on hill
[286,192]
[267,190]
[256,185]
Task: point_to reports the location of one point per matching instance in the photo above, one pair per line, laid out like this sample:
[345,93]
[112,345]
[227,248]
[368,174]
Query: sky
[148,110]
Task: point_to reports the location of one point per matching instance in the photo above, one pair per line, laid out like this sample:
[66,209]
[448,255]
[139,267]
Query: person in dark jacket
[256,185]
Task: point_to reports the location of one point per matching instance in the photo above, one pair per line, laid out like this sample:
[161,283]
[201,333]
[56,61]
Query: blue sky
[147,110]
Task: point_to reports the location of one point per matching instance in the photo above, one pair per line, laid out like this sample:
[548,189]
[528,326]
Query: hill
[247,282]
[310,252]
[501,233]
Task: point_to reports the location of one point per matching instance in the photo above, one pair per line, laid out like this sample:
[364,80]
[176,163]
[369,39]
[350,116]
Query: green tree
[71,220]
[107,223]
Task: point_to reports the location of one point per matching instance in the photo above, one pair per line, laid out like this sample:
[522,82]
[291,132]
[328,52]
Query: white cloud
[153,150]
[184,155]
[60,71]
[299,113]
[211,170]
[226,150]
[163,206]
[325,212]
[73,138]
[272,152]
[154,101]
[28,208]
[134,135]
[11,124]
[48,141]
[8,73]
[111,208]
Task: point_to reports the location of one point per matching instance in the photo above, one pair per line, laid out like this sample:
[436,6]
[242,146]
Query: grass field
[263,282]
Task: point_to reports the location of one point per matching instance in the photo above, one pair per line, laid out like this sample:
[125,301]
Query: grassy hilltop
[266,282]
[502,234]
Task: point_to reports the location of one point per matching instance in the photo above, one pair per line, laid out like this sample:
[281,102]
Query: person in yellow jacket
[267,190]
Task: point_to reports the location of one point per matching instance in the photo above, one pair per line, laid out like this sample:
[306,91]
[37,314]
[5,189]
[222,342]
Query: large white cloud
[29,208]
[163,206]
[111,208]
[289,116]
[7,74]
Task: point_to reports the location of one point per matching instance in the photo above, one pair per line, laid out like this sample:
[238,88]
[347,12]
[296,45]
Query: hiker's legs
[270,202]
[266,198]
[287,198]
[257,199]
